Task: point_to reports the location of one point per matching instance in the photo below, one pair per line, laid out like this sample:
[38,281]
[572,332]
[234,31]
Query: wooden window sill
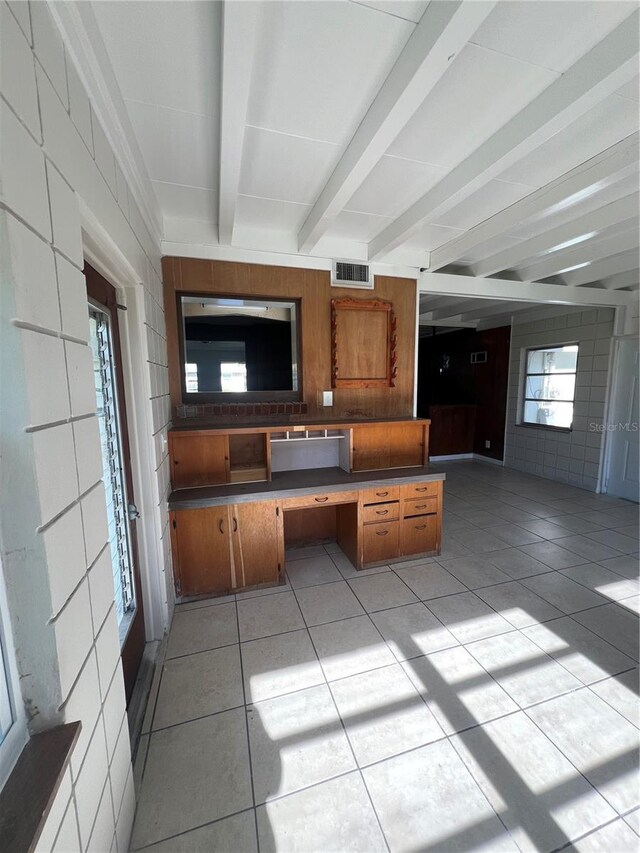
[27,797]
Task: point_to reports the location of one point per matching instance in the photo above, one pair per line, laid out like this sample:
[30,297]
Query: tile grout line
[246,725]
[358,769]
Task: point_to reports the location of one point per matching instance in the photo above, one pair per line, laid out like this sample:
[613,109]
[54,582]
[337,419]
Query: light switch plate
[327,398]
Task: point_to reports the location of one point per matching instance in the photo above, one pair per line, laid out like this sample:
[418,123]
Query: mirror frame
[199,397]
[387,344]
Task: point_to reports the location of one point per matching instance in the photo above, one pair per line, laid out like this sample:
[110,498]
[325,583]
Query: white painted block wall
[55,156]
[570,457]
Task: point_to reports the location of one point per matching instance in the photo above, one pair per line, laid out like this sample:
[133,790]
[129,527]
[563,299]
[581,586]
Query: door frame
[607,443]
[103,299]
[105,257]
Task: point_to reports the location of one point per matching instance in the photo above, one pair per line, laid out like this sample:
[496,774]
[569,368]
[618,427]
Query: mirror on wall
[239,349]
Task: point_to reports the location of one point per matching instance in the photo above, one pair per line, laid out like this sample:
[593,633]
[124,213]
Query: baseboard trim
[452,457]
[475,457]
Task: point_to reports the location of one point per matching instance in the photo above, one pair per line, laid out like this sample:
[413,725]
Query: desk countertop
[282,422]
[291,484]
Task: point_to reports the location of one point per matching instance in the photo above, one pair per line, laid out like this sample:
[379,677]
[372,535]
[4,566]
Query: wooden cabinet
[210,456]
[324,499]
[198,458]
[380,493]
[379,446]
[207,458]
[421,518]
[381,512]
[381,542]
[219,549]
[201,552]
[420,490]
[248,457]
[419,535]
[410,526]
[237,546]
[258,546]
[419,506]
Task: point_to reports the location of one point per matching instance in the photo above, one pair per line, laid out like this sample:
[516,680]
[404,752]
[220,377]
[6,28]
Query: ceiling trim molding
[239,27]
[499,310]
[236,254]
[442,32]
[84,44]
[605,68]
[449,323]
[454,311]
[445,284]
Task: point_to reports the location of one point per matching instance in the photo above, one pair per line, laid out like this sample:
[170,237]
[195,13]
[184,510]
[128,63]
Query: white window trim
[18,734]
[524,357]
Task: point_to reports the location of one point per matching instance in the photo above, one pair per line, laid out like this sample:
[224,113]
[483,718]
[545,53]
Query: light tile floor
[482,700]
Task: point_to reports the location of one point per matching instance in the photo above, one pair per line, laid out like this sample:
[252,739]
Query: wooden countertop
[289,484]
[297,423]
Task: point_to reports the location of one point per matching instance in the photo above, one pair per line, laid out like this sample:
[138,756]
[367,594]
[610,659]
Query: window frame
[525,376]
[17,735]
[192,398]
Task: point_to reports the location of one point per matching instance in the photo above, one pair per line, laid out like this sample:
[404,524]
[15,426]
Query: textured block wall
[53,523]
[570,457]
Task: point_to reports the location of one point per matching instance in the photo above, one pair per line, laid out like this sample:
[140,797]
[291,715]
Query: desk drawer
[381,493]
[416,490]
[381,512]
[419,535]
[419,506]
[381,541]
[321,499]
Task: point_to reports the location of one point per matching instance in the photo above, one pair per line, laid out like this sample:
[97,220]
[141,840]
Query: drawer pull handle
[382,494]
[381,532]
[422,489]
[235,525]
[321,500]
[220,526]
[421,506]
[420,526]
[382,512]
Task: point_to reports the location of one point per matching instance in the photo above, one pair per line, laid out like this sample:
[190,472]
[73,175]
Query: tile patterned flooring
[482,700]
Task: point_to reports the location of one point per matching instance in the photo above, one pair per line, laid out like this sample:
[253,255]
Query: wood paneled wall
[313,288]
[484,386]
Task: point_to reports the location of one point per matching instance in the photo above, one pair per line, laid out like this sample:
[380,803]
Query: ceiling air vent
[351,274]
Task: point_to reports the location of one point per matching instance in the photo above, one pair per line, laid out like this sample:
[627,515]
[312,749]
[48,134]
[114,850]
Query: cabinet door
[256,533]
[379,446]
[198,460]
[419,535]
[201,551]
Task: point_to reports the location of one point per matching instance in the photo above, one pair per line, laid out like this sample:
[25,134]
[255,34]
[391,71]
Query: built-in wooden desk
[233,536]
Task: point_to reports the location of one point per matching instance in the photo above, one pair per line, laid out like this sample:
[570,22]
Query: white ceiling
[314,69]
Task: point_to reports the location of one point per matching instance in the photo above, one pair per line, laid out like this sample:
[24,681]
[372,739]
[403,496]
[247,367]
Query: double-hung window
[549,386]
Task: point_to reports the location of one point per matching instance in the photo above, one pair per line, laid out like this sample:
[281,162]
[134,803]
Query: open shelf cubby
[248,457]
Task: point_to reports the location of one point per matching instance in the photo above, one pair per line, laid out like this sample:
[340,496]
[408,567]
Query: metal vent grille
[351,274]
